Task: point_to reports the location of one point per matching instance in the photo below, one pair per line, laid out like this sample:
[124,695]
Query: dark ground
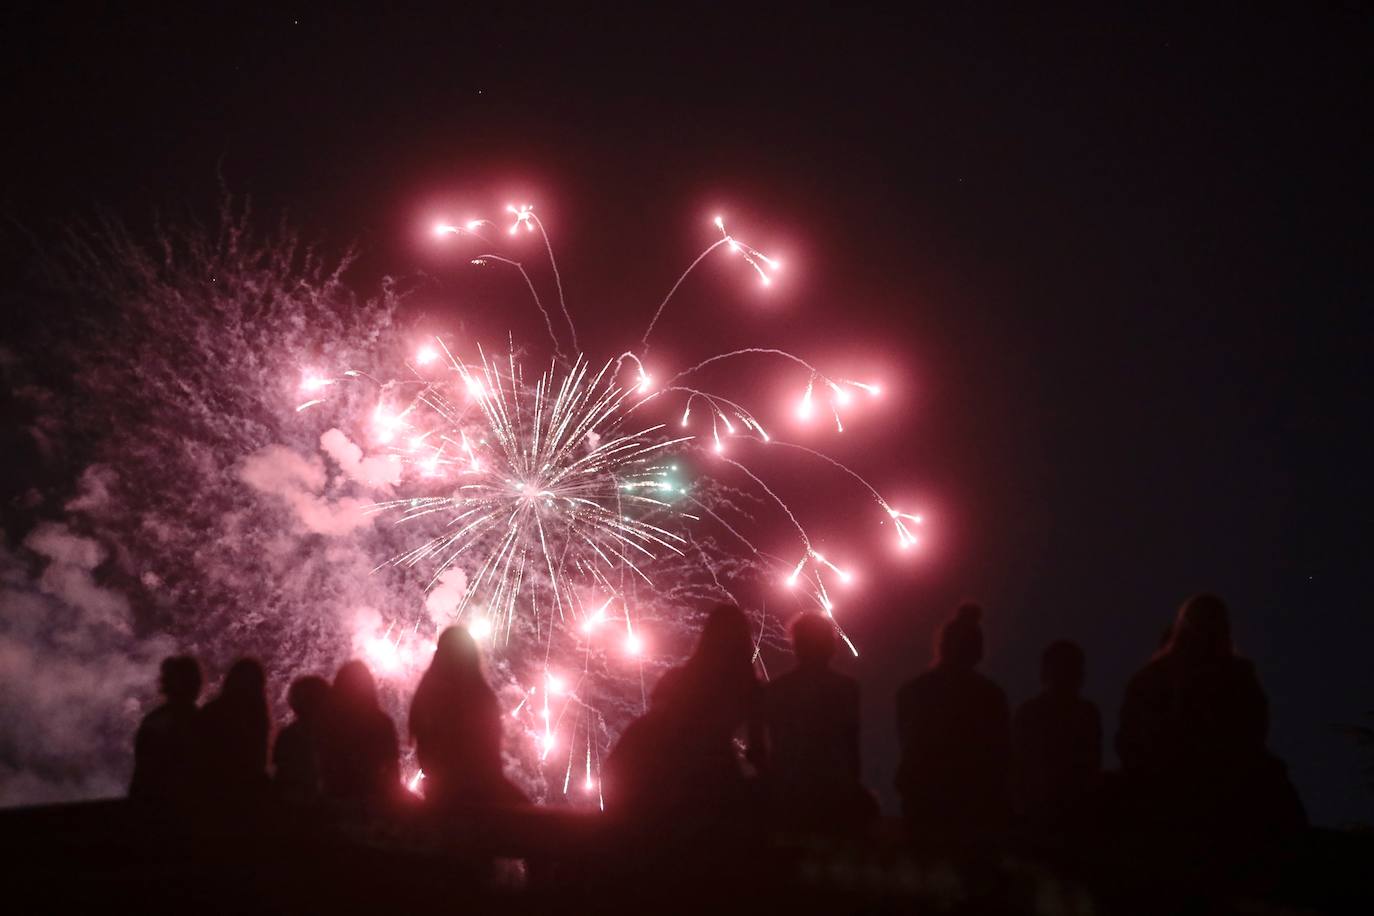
[113,858]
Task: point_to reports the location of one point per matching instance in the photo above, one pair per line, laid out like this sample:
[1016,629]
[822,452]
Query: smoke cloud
[178,502]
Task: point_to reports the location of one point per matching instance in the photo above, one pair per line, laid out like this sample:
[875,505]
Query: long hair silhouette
[456,723]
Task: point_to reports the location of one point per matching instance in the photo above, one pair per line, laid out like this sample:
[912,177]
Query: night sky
[1113,271]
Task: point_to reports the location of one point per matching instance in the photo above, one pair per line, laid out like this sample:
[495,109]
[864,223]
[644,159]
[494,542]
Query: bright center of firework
[559,496]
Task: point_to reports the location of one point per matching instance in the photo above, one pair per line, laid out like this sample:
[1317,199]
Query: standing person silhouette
[456,724]
[1058,743]
[811,717]
[361,756]
[1193,734]
[232,731]
[954,772]
[296,753]
[164,747]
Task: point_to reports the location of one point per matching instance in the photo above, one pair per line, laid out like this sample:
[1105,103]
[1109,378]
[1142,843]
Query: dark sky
[1115,268]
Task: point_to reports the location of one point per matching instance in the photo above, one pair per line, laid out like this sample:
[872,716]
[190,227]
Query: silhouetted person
[232,736]
[1194,727]
[811,716]
[361,756]
[164,747]
[680,760]
[630,777]
[1058,742]
[954,772]
[296,753]
[456,724]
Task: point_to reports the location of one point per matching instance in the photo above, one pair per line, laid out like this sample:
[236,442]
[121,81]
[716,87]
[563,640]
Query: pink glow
[384,655]
[592,622]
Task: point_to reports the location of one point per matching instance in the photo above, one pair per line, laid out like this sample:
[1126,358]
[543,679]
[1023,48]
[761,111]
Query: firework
[556,514]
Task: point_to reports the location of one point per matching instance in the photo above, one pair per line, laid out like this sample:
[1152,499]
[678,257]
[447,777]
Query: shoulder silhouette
[164,747]
[1058,742]
[456,724]
[232,731]
[811,717]
[954,772]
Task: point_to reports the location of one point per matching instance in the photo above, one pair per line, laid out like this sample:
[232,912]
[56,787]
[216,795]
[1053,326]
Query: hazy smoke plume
[181,503]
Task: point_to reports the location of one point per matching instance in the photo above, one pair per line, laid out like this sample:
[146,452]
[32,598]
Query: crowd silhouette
[721,753]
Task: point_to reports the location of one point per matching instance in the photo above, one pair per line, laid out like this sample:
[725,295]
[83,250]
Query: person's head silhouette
[180,679]
[813,641]
[245,678]
[456,655]
[1062,667]
[308,696]
[354,687]
[725,646]
[961,639]
[1202,631]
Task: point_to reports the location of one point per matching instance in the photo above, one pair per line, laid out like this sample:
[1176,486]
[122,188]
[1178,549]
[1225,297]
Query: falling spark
[751,255]
[804,408]
[523,216]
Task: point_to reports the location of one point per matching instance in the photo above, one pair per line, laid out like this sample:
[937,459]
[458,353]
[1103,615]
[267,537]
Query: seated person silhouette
[457,727]
[361,756]
[296,753]
[1193,733]
[1058,743]
[164,747]
[811,719]
[954,772]
[231,737]
[679,761]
